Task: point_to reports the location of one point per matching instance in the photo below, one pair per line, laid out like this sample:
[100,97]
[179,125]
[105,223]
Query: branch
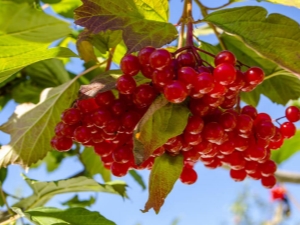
[287,177]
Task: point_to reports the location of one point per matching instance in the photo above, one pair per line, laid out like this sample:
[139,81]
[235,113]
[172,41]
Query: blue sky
[206,202]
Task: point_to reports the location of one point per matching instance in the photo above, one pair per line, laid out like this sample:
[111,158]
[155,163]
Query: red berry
[61,143]
[218,91]
[144,55]
[144,95]
[147,71]
[288,130]
[101,117]
[105,98]
[82,134]
[250,111]
[187,76]
[186,59]
[195,125]
[162,77]
[244,123]
[251,167]
[87,105]
[225,73]
[198,107]
[130,65]
[104,148]
[71,116]
[292,113]
[130,119]
[126,84]
[268,168]
[254,75]
[265,129]
[268,182]
[119,169]
[192,139]
[228,121]
[175,92]
[204,83]
[213,132]
[238,175]
[160,59]
[188,175]
[122,154]
[225,57]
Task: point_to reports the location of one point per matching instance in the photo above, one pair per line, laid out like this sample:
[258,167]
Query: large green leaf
[47,73]
[295,3]
[32,126]
[44,191]
[143,22]
[289,148]
[94,165]
[275,36]
[66,7]
[279,85]
[76,202]
[54,216]
[164,174]
[26,42]
[162,121]
[26,91]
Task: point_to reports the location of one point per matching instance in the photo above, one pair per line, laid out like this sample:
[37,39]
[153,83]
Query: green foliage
[44,191]
[22,44]
[289,148]
[164,174]
[138,178]
[32,126]
[76,202]
[277,80]
[143,22]
[94,165]
[250,23]
[162,121]
[65,7]
[74,216]
[294,3]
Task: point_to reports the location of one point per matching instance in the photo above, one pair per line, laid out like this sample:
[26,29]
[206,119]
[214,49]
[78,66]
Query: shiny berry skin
[130,65]
[61,143]
[126,84]
[122,154]
[198,107]
[105,98]
[104,148]
[160,59]
[274,145]
[213,132]
[262,117]
[192,139]
[101,117]
[269,181]
[112,126]
[187,76]
[254,75]
[144,55]
[119,169]
[288,130]
[188,175]
[268,168]
[118,107]
[251,167]
[162,77]
[71,116]
[175,92]
[58,128]
[129,120]
[250,111]
[265,129]
[292,113]
[87,105]
[228,121]
[278,192]
[195,125]
[186,59]
[225,73]
[147,71]
[244,123]
[239,82]
[225,57]
[218,91]
[82,134]
[144,95]
[238,175]
[204,83]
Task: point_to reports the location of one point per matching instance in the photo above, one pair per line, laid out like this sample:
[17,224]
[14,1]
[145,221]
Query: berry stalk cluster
[218,131]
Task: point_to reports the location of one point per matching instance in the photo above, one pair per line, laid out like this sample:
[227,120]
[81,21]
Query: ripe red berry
[269,181]
[187,75]
[225,57]
[162,77]
[126,84]
[225,73]
[105,98]
[144,55]
[254,75]
[186,59]
[213,132]
[188,175]
[228,121]
[238,175]
[144,95]
[130,65]
[292,113]
[101,117]
[250,111]
[160,59]
[175,92]
[195,125]
[82,134]
[204,83]
[71,116]
[218,91]
[265,129]
[87,105]
[268,168]
[61,143]
[122,154]
[288,130]
[244,123]
[119,169]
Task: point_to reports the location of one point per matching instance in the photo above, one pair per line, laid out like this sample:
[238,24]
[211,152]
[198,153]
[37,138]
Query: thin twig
[5,202]
[110,57]
[11,219]
[219,7]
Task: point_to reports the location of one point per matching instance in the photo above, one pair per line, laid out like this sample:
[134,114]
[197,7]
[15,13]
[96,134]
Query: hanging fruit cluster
[218,132]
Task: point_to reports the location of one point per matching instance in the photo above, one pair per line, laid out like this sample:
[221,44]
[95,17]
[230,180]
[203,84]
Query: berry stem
[110,57]
[189,35]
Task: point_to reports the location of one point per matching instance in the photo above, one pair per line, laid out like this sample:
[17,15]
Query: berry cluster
[217,133]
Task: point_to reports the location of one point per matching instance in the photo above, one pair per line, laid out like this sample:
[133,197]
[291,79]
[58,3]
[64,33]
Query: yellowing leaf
[32,126]
[143,22]
[295,3]
[164,174]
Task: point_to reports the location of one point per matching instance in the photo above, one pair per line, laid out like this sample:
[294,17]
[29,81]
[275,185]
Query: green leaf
[94,165]
[143,22]
[294,3]
[47,73]
[26,92]
[164,174]
[76,202]
[275,36]
[138,178]
[279,85]
[66,7]
[44,191]
[290,147]
[162,121]
[54,216]
[24,43]
[32,126]
[211,49]
[3,174]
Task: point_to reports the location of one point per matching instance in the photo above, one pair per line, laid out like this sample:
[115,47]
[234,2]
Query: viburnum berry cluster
[218,132]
